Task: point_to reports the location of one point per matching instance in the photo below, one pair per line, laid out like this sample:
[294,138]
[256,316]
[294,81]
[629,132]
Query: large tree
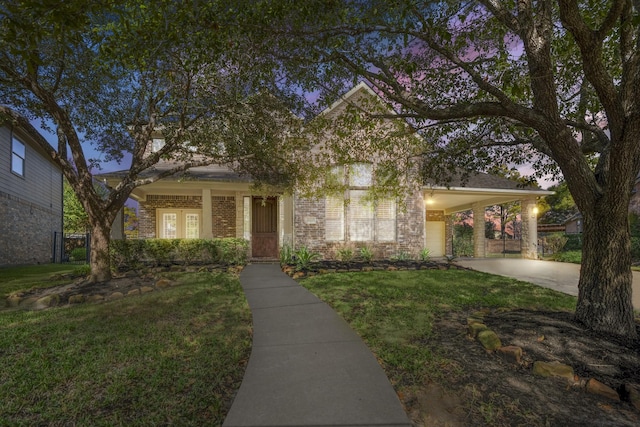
[114,73]
[551,82]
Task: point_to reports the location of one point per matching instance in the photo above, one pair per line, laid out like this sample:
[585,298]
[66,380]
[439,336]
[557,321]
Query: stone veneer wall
[27,231]
[309,226]
[223,216]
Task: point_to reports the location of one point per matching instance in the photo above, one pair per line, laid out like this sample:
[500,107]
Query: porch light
[534,211]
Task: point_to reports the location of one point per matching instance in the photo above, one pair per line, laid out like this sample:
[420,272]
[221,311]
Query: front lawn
[415,323]
[32,276]
[170,357]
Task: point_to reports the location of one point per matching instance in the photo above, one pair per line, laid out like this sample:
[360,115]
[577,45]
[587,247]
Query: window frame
[22,157]
[182,221]
[346,229]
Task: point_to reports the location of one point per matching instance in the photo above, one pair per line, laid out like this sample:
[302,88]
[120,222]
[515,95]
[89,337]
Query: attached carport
[477,193]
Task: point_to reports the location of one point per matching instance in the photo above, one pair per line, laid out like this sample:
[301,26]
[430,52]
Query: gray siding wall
[30,206]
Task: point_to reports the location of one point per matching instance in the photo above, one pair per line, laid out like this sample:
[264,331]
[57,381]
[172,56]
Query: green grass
[34,276]
[394,312]
[169,357]
[574,257]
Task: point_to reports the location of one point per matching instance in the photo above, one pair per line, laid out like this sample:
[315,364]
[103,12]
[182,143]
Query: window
[18,154]
[361,220]
[179,224]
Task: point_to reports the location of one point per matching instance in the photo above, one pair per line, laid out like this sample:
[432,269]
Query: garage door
[435,237]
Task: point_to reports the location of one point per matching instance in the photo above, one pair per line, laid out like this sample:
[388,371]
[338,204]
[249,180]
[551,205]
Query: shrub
[78,254]
[568,256]
[635,248]
[191,250]
[574,242]
[345,254]
[463,247]
[233,250]
[304,257]
[401,256]
[366,254]
[286,254]
[82,271]
[554,242]
[161,251]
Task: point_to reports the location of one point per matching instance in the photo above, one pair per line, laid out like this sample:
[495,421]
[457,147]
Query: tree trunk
[604,290]
[100,261]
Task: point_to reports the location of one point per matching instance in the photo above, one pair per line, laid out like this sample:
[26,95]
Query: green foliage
[75,218]
[568,256]
[554,242]
[33,276]
[635,248]
[82,270]
[463,246]
[78,254]
[557,208]
[574,242]
[130,223]
[286,254]
[304,257]
[134,253]
[345,254]
[425,254]
[401,255]
[366,254]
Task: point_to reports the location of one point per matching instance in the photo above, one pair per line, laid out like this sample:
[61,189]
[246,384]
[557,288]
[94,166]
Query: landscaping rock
[95,298]
[115,296]
[163,283]
[176,268]
[511,353]
[146,289]
[76,299]
[596,387]
[133,292]
[46,302]
[472,320]
[633,395]
[489,340]
[298,275]
[553,369]
[476,328]
[392,268]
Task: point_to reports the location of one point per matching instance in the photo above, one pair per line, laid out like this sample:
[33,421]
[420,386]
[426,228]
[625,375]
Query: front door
[264,229]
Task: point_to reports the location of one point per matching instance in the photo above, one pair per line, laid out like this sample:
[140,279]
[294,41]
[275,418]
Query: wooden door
[264,227]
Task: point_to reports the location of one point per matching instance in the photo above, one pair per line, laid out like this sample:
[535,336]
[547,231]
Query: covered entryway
[264,227]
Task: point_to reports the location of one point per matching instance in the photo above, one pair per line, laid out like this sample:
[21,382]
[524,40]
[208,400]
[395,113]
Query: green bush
[366,254]
[568,256]
[304,257]
[78,254]
[233,250]
[425,254]
[82,271]
[554,242]
[286,254]
[462,246]
[190,251]
[161,251]
[345,254]
[574,242]
[635,248]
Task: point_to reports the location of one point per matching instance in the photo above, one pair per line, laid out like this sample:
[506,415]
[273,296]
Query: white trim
[491,190]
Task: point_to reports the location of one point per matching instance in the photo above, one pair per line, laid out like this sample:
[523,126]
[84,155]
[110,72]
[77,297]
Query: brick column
[529,228]
[207,217]
[448,235]
[478,230]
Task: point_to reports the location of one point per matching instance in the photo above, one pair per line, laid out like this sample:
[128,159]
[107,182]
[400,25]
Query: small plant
[286,254]
[425,254]
[82,271]
[304,257]
[78,254]
[345,254]
[366,254]
[401,256]
[554,242]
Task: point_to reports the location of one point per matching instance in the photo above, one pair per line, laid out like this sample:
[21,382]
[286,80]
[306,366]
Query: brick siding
[223,213]
[27,231]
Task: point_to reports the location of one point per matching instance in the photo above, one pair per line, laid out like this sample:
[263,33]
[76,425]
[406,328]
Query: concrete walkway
[307,366]
[560,276]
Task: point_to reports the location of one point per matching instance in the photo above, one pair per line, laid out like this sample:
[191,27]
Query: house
[214,201]
[30,194]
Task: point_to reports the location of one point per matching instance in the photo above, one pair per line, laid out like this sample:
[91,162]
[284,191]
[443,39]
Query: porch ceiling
[457,199]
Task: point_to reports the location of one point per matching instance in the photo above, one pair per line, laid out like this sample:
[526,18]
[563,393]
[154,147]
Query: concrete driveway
[560,276]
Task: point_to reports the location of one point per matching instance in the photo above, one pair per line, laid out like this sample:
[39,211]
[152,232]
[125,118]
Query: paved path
[307,366]
[560,276]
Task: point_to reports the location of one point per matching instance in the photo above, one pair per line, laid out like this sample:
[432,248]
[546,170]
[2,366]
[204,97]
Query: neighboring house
[213,201]
[30,195]
[574,224]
